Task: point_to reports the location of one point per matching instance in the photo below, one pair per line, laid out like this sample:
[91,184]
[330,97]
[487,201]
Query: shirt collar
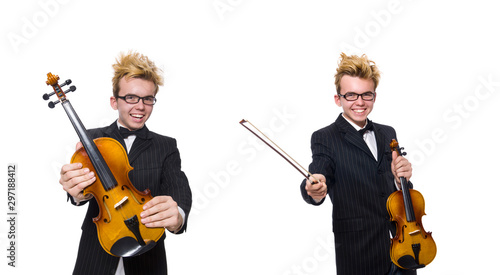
[356,127]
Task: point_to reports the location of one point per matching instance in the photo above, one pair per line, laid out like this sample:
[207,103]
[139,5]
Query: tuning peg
[67,82]
[47,96]
[71,88]
[53,104]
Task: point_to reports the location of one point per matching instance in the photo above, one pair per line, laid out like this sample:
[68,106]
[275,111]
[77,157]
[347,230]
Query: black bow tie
[141,133]
[368,127]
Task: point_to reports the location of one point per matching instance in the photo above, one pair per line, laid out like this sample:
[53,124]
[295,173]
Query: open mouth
[137,117]
[359,111]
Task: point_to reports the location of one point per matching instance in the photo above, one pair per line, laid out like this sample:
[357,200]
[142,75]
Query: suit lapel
[138,146]
[352,136]
[380,137]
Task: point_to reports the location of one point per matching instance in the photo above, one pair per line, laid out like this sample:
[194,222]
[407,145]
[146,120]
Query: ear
[113,103]
[337,100]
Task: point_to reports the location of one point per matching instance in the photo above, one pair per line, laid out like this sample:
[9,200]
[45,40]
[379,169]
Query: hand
[162,211]
[74,179]
[318,190]
[400,167]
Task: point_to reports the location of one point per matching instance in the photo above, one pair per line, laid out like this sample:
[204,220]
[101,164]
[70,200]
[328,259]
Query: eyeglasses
[354,96]
[133,99]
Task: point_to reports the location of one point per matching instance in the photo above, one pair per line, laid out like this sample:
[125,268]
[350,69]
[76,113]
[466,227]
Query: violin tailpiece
[133,225]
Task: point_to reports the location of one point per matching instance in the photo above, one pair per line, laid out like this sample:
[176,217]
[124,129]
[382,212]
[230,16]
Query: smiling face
[356,111]
[133,116]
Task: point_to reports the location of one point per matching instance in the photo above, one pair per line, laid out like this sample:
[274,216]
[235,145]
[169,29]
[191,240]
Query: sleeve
[175,183]
[322,163]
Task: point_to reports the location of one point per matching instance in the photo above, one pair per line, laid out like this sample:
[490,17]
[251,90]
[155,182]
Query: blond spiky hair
[135,65]
[356,66]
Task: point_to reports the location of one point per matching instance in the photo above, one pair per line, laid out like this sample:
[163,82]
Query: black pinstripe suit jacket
[157,167]
[358,186]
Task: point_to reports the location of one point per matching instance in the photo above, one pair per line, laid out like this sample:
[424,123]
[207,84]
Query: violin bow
[290,160]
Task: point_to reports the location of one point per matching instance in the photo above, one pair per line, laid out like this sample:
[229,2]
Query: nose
[140,105]
[359,101]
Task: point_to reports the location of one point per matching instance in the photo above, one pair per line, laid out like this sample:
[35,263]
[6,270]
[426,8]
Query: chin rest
[408,262]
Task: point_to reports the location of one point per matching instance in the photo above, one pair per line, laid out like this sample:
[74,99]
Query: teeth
[358,111]
[137,116]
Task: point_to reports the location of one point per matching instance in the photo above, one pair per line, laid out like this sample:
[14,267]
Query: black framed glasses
[133,99]
[350,96]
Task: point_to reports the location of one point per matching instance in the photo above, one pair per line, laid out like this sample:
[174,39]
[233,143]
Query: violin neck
[410,213]
[106,177]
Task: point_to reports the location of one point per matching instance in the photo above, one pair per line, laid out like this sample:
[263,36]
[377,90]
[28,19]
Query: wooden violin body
[119,204]
[411,238]
[412,247]
[120,231]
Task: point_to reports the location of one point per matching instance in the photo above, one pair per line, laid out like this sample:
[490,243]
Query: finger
[403,165]
[316,178]
[404,172]
[74,177]
[317,189]
[81,177]
[309,182]
[313,179]
[75,189]
[394,156]
[165,218]
[313,187]
[170,223]
[160,215]
[158,204]
[78,146]
[156,200]
[70,167]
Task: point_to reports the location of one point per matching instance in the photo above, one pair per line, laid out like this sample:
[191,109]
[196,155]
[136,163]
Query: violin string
[283,151]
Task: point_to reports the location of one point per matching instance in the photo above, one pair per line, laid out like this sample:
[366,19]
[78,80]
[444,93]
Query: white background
[271,62]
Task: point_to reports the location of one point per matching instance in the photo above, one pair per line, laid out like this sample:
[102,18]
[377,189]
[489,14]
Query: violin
[119,230]
[412,247]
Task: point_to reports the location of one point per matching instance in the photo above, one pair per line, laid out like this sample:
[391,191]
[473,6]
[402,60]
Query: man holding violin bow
[354,165]
[157,167]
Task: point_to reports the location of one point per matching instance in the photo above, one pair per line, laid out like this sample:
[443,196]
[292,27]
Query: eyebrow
[360,93]
[139,96]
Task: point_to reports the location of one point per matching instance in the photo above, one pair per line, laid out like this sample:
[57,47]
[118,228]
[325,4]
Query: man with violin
[157,167]
[353,164]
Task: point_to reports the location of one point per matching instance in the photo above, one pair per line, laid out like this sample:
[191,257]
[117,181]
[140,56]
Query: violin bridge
[415,232]
[121,202]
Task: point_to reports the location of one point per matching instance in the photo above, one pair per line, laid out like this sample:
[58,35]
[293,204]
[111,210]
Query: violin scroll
[53,80]
[395,147]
